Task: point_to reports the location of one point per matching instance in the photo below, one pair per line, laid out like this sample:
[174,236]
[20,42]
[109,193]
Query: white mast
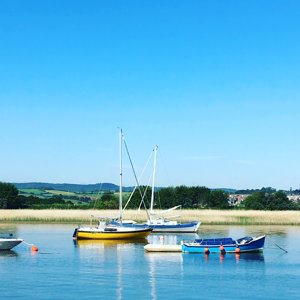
[120,204]
[153,179]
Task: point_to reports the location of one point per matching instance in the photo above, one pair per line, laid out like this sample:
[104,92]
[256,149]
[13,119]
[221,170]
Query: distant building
[236,199]
[295,198]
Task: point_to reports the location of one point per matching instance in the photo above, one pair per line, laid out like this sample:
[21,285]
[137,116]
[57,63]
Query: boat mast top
[121,199]
[153,179]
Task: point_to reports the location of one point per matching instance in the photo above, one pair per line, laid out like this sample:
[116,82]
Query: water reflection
[162,262]
[122,269]
[213,257]
[102,244]
[250,257]
[158,260]
[118,258]
[120,272]
[8,253]
[116,254]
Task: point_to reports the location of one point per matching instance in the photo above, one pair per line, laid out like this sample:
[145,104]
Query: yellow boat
[111,233]
[106,231]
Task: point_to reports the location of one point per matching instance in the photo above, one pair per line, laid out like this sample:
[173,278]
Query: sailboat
[162,224]
[105,228]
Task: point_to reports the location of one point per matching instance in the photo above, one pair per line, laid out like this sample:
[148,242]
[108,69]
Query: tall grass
[206,216]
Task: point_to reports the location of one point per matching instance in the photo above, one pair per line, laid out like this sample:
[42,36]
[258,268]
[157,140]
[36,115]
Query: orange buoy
[237,250]
[34,249]
[206,250]
[222,248]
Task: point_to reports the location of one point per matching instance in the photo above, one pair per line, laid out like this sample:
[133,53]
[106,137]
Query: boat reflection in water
[116,254]
[8,253]
[259,257]
[102,244]
[238,257]
[164,262]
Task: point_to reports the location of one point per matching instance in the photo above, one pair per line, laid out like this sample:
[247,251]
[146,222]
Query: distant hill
[230,191]
[68,187]
[85,188]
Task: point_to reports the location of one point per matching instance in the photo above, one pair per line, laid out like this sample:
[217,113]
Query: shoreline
[206,216]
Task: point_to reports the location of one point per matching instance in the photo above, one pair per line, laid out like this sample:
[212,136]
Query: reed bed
[206,216]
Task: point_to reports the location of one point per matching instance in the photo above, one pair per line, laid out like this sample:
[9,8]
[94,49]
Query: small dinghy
[162,248]
[225,245]
[7,243]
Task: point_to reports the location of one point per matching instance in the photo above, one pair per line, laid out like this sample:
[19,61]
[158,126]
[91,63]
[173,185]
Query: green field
[67,196]
[32,191]
[54,192]
[50,193]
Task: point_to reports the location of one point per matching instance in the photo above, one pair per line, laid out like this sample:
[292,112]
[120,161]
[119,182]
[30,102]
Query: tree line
[265,201]
[10,199]
[187,197]
[195,197]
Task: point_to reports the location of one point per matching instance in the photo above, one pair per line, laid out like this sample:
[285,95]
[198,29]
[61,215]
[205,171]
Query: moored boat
[162,224]
[162,248]
[225,245]
[106,230]
[7,243]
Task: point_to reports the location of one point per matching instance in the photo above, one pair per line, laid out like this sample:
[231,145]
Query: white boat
[162,248]
[7,243]
[163,224]
[104,230]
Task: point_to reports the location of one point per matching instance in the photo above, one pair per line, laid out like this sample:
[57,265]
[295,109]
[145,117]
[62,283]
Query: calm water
[119,270]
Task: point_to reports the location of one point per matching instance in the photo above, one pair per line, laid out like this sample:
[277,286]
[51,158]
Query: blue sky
[215,84]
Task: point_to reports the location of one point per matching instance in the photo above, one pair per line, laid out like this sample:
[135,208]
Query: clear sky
[215,84]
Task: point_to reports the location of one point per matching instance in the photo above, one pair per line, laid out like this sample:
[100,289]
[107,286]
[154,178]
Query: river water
[62,269]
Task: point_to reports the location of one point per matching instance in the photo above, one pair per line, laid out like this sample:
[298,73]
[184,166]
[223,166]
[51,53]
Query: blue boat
[162,225]
[225,245]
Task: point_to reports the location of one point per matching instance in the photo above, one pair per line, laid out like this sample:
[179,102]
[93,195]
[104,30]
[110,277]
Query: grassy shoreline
[206,216]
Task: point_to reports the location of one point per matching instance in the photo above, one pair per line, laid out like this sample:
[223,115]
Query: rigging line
[159,199]
[135,175]
[97,196]
[145,192]
[139,180]
[276,244]
[129,198]
[28,244]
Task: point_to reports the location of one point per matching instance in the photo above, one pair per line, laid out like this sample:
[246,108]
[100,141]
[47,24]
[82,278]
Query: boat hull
[255,245]
[113,235]
[9,243]
[162,248]
[185,227]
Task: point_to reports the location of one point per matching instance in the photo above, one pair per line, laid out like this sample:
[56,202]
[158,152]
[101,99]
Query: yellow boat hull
[141,234]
